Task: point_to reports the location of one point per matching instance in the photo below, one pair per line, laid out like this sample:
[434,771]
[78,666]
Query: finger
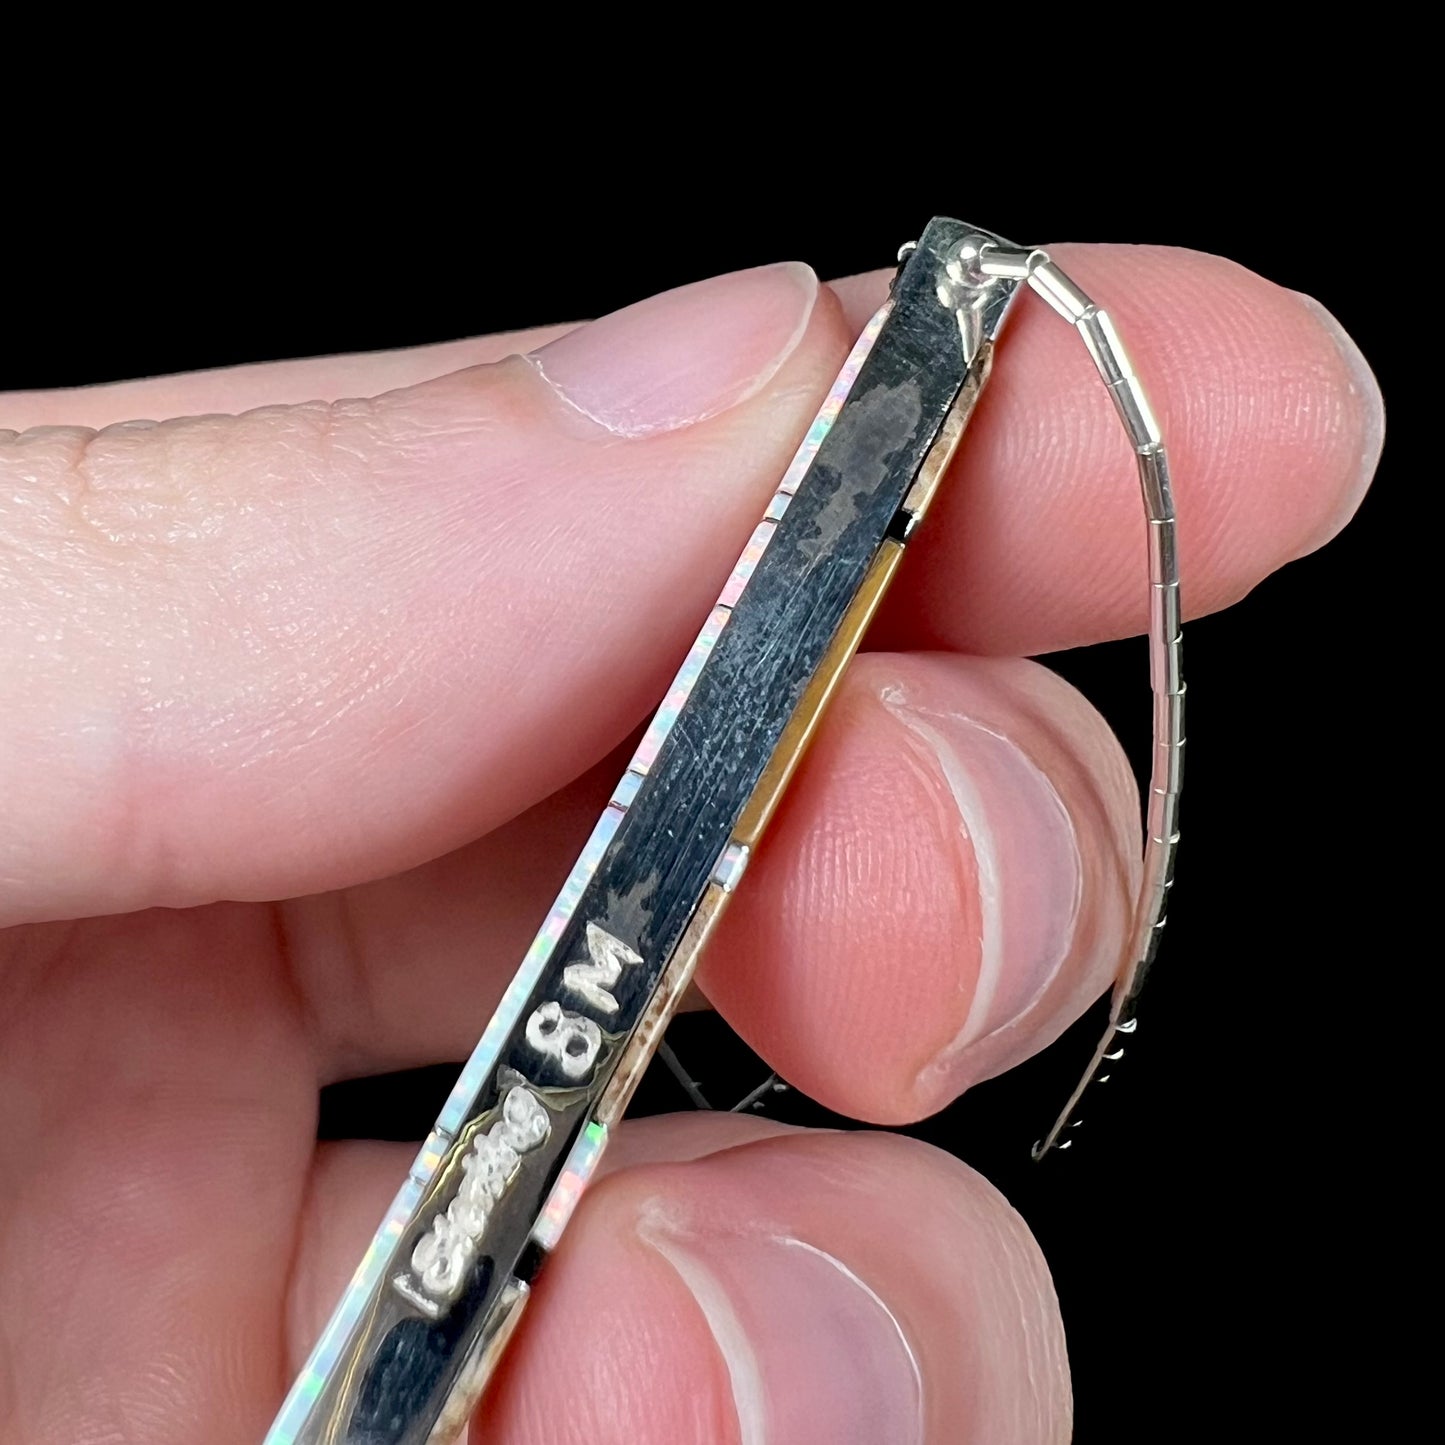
[1182,308]
[159,1127]
[206,654]
[946,887]
[1274,424]
[263,655]
[838,1287]
[268,383]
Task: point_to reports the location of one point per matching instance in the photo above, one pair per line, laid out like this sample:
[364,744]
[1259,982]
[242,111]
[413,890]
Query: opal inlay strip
[665,717]
[747,563]
[430,1156]
[778,506]
[626,789]
[581,1164]
[730,866]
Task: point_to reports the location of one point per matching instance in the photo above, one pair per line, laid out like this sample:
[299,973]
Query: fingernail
[1365,391]
[812,1351]
[1017,836]
[683,356]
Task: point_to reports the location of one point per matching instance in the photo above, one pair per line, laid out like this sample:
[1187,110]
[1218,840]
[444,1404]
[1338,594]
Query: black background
[1206,1233]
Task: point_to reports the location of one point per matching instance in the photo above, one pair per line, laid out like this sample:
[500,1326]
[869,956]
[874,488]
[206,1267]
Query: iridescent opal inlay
[581,1164]
[730,866]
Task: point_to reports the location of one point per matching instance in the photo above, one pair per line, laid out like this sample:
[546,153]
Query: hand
[376,659]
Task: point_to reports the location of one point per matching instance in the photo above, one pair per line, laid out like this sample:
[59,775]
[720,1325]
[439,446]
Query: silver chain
[1165,644]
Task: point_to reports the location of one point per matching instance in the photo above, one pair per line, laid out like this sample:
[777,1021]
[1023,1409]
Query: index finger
[144,655]
[1274,419]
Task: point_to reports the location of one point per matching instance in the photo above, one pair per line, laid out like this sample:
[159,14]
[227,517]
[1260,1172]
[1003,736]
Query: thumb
[268,654]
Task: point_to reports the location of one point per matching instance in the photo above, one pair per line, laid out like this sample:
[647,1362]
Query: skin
[214,628]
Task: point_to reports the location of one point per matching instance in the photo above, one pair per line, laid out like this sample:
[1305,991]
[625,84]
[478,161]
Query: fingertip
[946,886]
[676,359]
[860,1288]
[1272,424]
[1362,420]
[1270,415]
[643,1367]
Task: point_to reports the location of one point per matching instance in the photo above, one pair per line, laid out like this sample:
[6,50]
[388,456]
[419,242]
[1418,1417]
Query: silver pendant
[407,1353]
